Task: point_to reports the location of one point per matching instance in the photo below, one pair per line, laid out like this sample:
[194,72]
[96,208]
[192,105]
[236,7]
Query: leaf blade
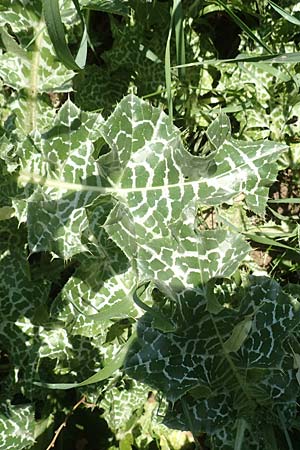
[57,35]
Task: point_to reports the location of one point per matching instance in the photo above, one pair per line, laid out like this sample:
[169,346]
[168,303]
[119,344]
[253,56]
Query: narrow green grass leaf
[243,25]
[267,241]
[103,374]
[168,76]
[274,58]
[160,322]
[278,216]
[179,35]
[284,14]
[213,306]
[286,433]
[238,336]
[241,428]
[285,200]
[82,51]
[286,58]
[296,364]
[57,34]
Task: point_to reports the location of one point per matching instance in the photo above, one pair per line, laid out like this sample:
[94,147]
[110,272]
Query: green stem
[179,36]
[32,91]
[168,77]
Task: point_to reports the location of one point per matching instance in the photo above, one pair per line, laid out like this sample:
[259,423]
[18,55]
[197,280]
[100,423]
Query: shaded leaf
[196,356]
[16,427]
[238,336]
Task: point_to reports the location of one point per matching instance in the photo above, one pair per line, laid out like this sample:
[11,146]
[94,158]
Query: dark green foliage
[119,226]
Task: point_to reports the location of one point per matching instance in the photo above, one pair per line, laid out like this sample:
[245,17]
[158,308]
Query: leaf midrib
[77,187]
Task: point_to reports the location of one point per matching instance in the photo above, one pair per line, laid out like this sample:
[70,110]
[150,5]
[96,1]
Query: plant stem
[32,91]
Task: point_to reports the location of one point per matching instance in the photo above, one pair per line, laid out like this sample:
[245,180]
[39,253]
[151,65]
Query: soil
[286,186]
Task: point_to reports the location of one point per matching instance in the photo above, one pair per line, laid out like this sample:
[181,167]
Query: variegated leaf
[36,69]
[65,153]
[101,288]
[192,364]
[16,427]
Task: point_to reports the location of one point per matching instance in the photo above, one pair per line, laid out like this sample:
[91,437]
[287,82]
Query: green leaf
[29,66]
[16,427]
[158,185]
[108,6]
[240,434]
[132,54]
[213,306]
[218,131]
[291,200]
[238,336]
[257,237]
[124,404]
[259,369]
[157,168]
[19,298]
[284,14]
[278,58]
[57,36]
[101,288]
[179,34]
[297,365]
[58,223]
[19,18]
[35,69]
[168,77]
[110,368]
[11,45]
[160,322]
[97,88]
[6,212]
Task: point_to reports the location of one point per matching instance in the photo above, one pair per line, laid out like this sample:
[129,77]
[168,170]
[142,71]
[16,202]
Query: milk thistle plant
[134,187]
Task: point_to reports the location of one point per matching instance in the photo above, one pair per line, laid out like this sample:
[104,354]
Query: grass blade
[292,200]
[57,35]
[284,14]
[168,76]
[268,241]
[160,321]
[243,25]
[278,216]
[239,439]
[103,374]
[279,58]
[179,35]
